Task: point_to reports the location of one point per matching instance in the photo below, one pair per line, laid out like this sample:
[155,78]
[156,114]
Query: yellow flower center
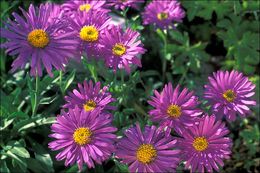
[174,111]
[119,49]
[229,95]
[82,135]
[89,105]
[89,33]
[146,153]
[85,7]
[162,16]
[200,143]
[38,38]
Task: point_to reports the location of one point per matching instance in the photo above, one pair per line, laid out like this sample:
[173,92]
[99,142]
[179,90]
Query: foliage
[214,35]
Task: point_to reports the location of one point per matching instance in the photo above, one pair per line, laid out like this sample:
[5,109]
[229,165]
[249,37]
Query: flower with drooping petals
[89,96]
[122,4]
[148,151]
[163,13]
[89,29]
[204,145]
[83,137]
[120,49]
[36,40]
[73,7]
[229,93]
[174,108]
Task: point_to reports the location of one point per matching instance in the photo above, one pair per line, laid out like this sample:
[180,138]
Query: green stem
[122,76]
[125,17]
[164,63]
[35,105]
[92,67]
[61,82]
[184,74]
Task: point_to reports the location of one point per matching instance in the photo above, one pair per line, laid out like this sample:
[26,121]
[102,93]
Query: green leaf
[16,148]
[69,81]
[43,157]
[35,165]
[204,9]
[3,167]
[121,167]
[48,100]
[33,122]
[21,162]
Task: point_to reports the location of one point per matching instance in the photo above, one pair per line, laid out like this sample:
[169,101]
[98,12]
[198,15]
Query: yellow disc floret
[89,105]
[229,95]
[89,33]
[85,7]
[82,135]
[119,49]
[174,111]
[200,143]
[162,16]
[146,153]
[38,38]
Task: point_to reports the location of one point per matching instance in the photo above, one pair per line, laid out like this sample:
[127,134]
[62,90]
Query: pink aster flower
[122,4]
[148,151]
[89,96]
[36,40]
[83,137]
[89,29]
[163,13]
[230,93]
[174,108]
[120,49]
[73,7]
[204,145]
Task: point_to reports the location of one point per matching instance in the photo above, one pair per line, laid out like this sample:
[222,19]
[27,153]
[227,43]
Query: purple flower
[120,49]
[204,145]
[89,30]
[122,4]
[89,97]
[56,12]
[36,40]
[148,151]
[173,108]
[163,13]
[229,94]
[73,7]
[84,137]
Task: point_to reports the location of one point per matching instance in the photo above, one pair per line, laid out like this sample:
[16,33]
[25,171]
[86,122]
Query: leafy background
[214,35]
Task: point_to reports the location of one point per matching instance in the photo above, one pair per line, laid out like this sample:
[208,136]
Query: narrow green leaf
[69,80]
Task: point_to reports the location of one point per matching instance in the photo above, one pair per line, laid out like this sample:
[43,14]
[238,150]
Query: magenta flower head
[204,145]
[89,97]
[36,40]
[83,137]
[122,4]
[174,108]
[89,28]
[72,7]
[148,151]
[163,13]
[120,49]
[229,93]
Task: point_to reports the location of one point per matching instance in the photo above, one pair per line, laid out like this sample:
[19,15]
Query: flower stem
[164,63]
[122,76]
[125,17]
[35,104]
[60,83]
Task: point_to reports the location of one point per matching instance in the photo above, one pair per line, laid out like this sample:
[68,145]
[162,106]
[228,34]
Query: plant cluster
[84,70]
